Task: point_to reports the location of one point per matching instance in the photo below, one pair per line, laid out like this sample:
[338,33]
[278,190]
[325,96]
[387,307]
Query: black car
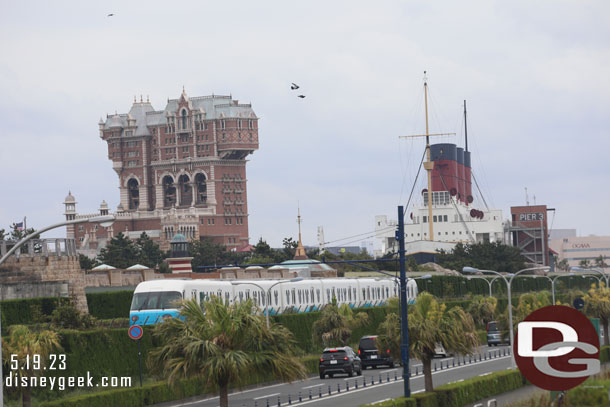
[370,355]
[339,360]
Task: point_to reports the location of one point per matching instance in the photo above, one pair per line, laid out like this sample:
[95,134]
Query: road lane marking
[419,375]
[312,386]
[375,386]
[267,396]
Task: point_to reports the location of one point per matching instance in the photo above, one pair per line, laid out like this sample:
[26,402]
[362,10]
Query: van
[370,355]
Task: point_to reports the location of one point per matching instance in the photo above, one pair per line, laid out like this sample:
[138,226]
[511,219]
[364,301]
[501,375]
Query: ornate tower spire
[300,252]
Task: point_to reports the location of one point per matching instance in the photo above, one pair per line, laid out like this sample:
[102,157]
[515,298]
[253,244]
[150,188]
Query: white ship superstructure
[449,215]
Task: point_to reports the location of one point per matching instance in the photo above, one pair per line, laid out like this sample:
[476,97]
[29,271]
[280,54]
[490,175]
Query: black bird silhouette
[294,86]
[301,96]
[110,15]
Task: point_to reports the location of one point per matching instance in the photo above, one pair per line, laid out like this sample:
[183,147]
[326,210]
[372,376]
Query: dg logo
[556,348]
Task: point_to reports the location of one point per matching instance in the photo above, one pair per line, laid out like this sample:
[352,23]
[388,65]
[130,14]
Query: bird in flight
[110,15]
[301,96]
[294,86]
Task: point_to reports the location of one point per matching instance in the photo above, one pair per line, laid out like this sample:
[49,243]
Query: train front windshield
[155,300]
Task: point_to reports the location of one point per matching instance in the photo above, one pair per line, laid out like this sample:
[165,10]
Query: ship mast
[428,165]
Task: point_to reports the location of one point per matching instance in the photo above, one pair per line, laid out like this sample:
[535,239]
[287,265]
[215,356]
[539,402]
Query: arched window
[184,119]
[186,192]
[133,193]
[200,185]
[169,192]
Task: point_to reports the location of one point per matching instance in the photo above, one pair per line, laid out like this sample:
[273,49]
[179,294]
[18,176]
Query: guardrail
[325,390]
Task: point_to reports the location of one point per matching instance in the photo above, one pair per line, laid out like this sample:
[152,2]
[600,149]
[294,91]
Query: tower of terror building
[180,170]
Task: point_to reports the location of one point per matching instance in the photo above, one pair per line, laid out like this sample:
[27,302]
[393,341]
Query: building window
[444,218]
[425,219]
[434,218]
[184,119]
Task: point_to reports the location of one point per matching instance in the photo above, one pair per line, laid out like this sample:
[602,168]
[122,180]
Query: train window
[241,296]
[300,297]
[364,293]
[227,297]
[294,296]
[334,293]
[354,290]
[378,293]
[288,297]
[312,296]
[368,293]
[255,297]
[219,293]
[247,293]
[275,294]
[328,294]
[307,296]
[263,297]
[387,292]
[345,294]
[349,295]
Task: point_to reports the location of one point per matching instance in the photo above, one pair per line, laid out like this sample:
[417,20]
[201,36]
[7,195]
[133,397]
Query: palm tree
[430,323]
[335,325]
[597,304]
[26,347]
[482,309]
[223,344]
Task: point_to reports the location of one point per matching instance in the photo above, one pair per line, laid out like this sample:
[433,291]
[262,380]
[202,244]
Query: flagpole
[25,226]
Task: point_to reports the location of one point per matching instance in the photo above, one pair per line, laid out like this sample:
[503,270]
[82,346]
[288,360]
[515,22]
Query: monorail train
[157,299]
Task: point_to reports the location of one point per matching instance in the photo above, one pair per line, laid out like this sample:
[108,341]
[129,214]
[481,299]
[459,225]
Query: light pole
[105,221]
[510,304]
[489,282]
[605,276]
[552,280]
[267,292]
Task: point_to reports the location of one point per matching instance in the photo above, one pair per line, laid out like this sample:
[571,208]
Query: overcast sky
[535,76]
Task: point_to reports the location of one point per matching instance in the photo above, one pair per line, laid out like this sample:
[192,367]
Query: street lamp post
[553,280]
[489,282]
[267,292]
[605,276]
[510,304]
[105,221]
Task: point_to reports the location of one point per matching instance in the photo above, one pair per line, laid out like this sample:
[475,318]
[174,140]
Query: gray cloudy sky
[535,75]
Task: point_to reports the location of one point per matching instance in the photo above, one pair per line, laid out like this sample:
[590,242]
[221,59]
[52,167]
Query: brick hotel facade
[180,170]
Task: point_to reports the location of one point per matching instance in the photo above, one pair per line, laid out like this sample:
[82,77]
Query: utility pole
[404,319]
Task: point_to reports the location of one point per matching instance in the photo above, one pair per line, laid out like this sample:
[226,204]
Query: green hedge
[426,400]
[137,396]
[457,287]
[471,390]
[27,311]
[399,402]
[604,354]
[588,396]
[159,392]
[301,326]
[112,304]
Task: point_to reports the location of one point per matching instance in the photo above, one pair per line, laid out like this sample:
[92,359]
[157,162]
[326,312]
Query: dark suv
[339,360]
[494,336]
[370,355]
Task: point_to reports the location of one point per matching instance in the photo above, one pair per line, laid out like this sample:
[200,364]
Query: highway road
[390,386]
